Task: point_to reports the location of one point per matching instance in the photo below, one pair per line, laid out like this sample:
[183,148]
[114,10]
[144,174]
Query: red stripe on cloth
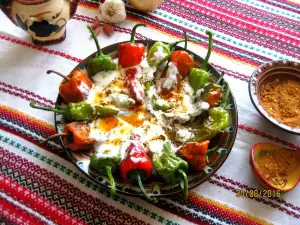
[222,13]
[242,127]
[36,202]
[12,214]
[230,73]
[27,122]
[23,96]
[39,48]
[260,13]
[285,7]
[69,195]
[163,29]
[218,177]
[26,92]
[244,186]
[183,215]
[117,28]
[219,210]
[244,31]
[268,136]
[261,200]
[216,48]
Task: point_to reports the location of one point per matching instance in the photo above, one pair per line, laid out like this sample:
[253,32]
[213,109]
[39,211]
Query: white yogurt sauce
[171,79]
[159,55]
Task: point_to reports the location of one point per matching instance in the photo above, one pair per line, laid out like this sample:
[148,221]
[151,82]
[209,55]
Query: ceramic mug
[44,20]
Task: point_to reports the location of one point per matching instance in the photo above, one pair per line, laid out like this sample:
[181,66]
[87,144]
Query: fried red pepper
[134,85]
[213,97]
[195,154]
[183,61]
[136,165]
[131,53]
[77,136]
[75,87]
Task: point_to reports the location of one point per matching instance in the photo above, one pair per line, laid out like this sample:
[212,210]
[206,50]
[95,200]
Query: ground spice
[281,100]
[274,166]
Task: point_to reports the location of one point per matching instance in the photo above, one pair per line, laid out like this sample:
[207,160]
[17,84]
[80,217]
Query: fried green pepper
[106,164]
[199,77]
[104,111]
[80,111]
[160,105]
[148,84]
[218,119]
[160,52]
[101,62]
[73,112]
[170,167]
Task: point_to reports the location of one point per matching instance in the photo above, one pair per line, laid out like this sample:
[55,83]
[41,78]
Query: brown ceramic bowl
[268,72]
[293,173]
[155,186]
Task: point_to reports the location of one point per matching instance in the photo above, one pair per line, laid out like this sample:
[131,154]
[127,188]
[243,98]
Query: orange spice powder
[274,166]
[281,100]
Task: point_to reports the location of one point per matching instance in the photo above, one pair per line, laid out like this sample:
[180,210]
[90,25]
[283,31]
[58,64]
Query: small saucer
[293,171]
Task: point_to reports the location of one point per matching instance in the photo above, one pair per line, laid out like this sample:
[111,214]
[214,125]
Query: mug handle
[73,7]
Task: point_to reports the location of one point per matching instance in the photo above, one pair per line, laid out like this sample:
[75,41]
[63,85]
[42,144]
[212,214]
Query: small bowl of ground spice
[274,89]
[276,168]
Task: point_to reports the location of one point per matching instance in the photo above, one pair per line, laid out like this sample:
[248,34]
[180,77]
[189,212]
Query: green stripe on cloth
[271,8]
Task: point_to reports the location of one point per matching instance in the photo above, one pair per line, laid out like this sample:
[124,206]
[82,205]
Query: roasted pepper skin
[140,170]
[131,53]
[104,111]
[170,167]
[106,166]
[135,150]
[218,119]
[154,49]
[167,165]
[183,61]
[195,154]
[70,91]
[99,163]
[101,62]
[77,136]
[199,77]
[80,111]
[213,96]
[167,49]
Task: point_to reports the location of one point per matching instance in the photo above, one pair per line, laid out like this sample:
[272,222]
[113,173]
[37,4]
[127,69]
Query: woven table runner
[39,184]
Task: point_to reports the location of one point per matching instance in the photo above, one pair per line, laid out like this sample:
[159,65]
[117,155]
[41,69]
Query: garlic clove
[108,29]
[94,24]
[97,30]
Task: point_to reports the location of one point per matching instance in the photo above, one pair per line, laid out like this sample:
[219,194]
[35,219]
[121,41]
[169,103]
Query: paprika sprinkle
[274,166]
[281,100]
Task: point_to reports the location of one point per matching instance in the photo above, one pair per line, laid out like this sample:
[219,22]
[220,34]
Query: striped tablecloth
[39,185]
